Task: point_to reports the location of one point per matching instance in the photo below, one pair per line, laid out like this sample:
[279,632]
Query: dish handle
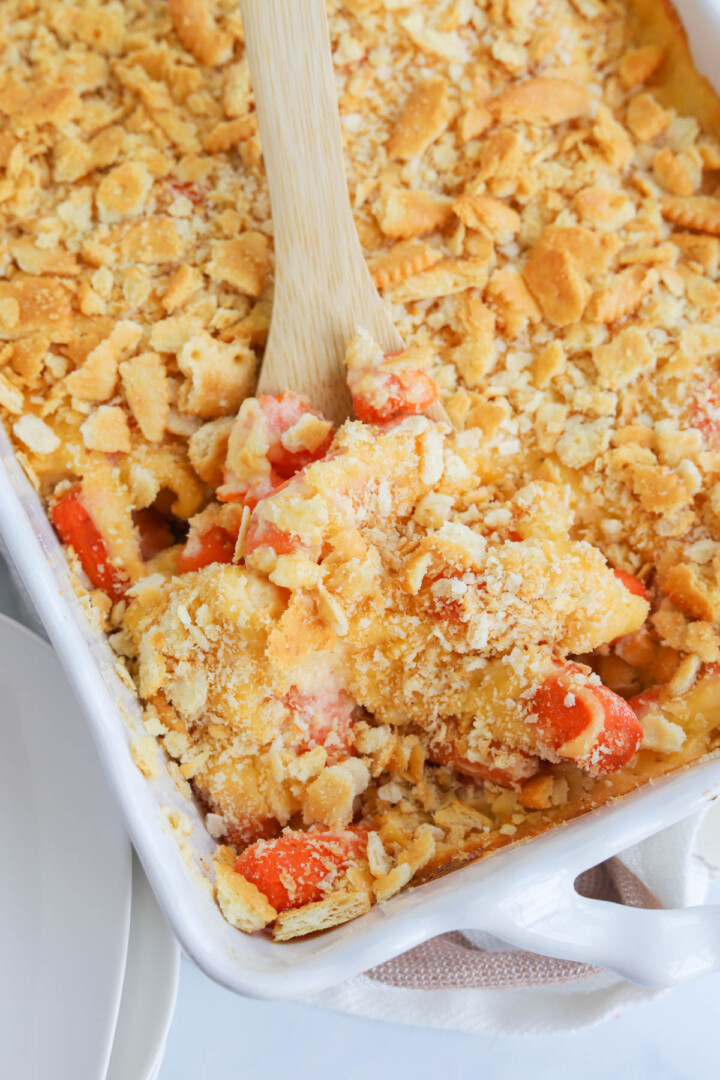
[654,948]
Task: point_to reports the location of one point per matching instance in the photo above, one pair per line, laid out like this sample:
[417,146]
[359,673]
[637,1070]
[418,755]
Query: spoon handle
[323,290]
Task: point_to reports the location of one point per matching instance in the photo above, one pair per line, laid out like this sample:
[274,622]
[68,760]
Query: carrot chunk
[502,765]
[632,584]
[78,530]
[263,435]
[214,546]
[189,191]
[642,703]
[322,719]
[705,414]
[233,490]
[393,394]
[261,534]
[249,829]
[585,722]
[444,606]
[300,868]
[282,413]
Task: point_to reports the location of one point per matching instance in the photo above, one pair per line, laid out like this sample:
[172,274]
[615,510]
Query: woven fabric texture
[452,962]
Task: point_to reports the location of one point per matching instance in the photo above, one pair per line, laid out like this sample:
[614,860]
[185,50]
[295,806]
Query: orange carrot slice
[214,546]
[322,718]
[444,607]
[300,868]
[502,765]
[78,530]
[249,829]
[705,414]
[632,584]
[642,703]
[585,722]
[190,191]
[261,534]
[393,394]
[279,414]
[233,490]
[282,413]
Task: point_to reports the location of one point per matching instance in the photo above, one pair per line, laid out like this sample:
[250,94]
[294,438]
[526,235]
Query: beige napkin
[464,961]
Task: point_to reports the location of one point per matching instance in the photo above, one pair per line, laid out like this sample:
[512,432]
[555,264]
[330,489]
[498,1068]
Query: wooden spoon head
[309,332]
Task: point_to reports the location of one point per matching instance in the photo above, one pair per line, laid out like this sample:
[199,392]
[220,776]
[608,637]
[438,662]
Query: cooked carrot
[516,766]
[214,546]
[250,829]
[261,534]
[585,722]
[275,417]
[299,868]
[632,584]
[189,191]
[394,394]
[234,491]
[642,703]
[282,413]
[322,719]
[78,530]
[445,607]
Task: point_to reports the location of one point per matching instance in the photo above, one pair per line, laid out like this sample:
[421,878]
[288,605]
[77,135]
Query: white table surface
[216,1035]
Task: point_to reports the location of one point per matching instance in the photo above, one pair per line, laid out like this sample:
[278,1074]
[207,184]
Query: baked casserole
[376,652]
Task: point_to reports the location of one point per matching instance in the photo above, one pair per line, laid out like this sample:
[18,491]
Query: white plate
[149,989]
[65,882]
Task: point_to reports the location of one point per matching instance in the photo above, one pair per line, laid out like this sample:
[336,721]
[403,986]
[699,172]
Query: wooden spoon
[323,289]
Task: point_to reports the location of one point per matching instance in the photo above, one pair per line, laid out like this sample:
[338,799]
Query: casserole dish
[529,917]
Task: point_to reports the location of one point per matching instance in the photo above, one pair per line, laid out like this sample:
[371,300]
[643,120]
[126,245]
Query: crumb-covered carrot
[584,722]
[187,190]
[291,449]
[248,829]
[261,534]
[380,396]
[322,719]
[705,414]
[216,545]
[78,530]
[642,703]
[445,593]
[235,491]
[299,868]
[500,764]
[632,584]
[272,439]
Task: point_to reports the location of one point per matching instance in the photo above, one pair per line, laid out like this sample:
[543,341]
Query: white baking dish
[524,894]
